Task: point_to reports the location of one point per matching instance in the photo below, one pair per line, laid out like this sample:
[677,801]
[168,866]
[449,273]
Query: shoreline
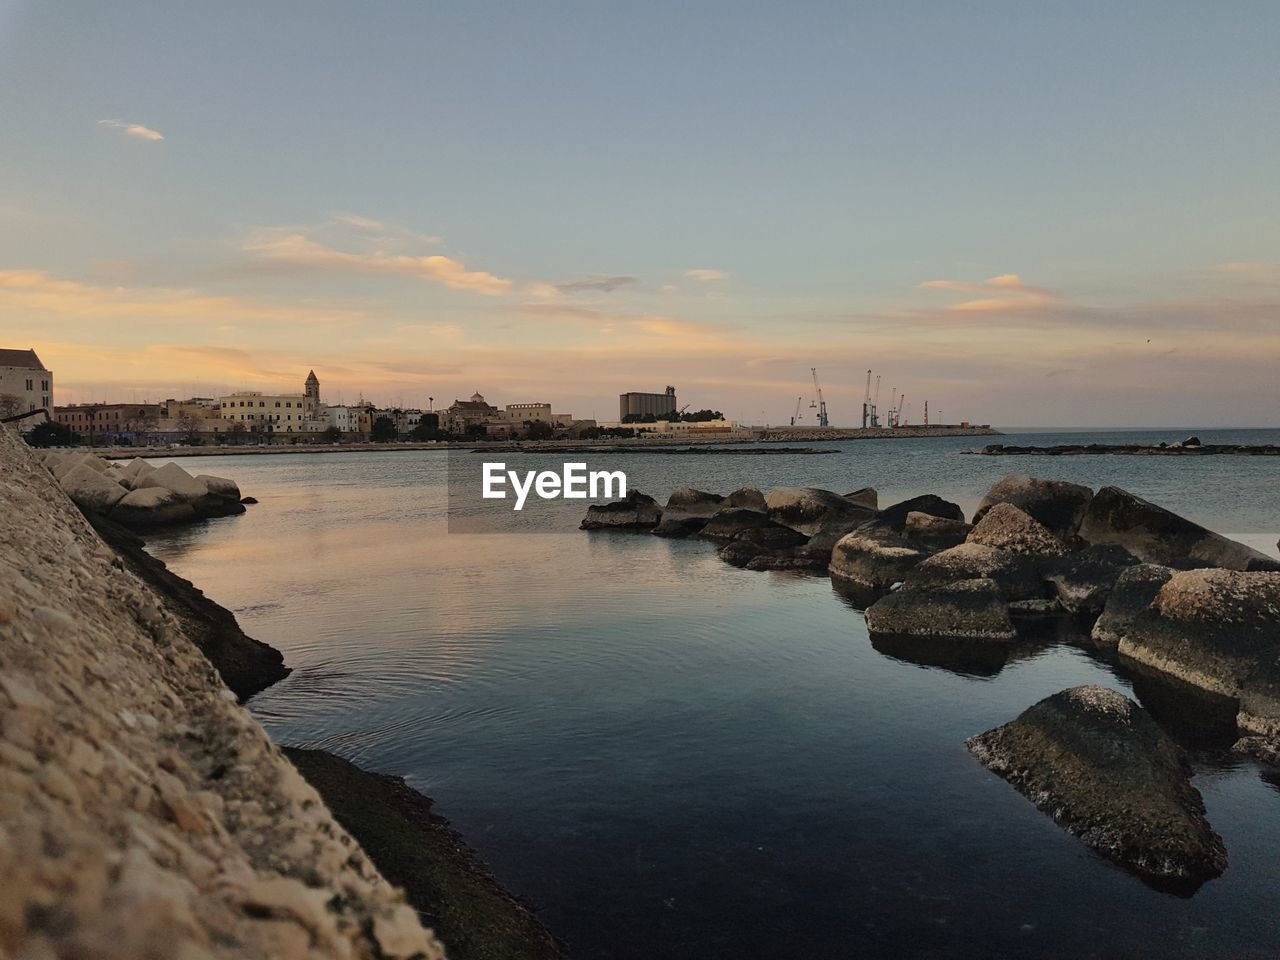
[1134,450]
[765,436]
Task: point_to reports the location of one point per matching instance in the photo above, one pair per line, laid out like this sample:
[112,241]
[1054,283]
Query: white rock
[173,478]
[92,490]
[220,486]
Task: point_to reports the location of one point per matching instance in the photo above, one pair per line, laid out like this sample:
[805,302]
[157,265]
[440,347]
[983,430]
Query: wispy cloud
[132,129]
[299,250]
[706,276]
[1003,294]
[610,322]
[595,284]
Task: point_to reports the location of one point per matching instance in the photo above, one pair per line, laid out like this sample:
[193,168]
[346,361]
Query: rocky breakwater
[138,494]
[143,812]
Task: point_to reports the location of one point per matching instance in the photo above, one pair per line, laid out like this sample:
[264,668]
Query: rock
[91,489]
[1263,749]
[1134,591]
[873,558]
[1098,764]
[747,498]
[1191,441]
[1056,504]
[173,478]
[635,511]
[149,506]
[678,527]
[866,497]
[896,515]
[751,556]
[1156,535]
[249,500]
[1016,576]
[219,486]
[687,502]
[753,527]
[1006,527]
[1260,701]
[937,533]
[134,469]
[1083,581]
[968,609]
[809,509]
[1211,628]
[739,553]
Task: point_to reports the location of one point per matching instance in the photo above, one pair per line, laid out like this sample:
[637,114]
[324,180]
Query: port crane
[820,404]
[796,416]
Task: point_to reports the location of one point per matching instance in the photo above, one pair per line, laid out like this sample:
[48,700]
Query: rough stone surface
[1057,505]
[1015,575]
[678,527]
[938,533]
[752,527]
[1156,535]
[173,478]
[1098,764]
[635,511]
[873,557]
[143,813]
[965,609]
[687,502]
[152,505]
[809,509]
[896,515]
[1134,590]
[1211,628]
[1083,581]
[866,497]
[1005,527]
[747,498]
[91,489]
[1260,702]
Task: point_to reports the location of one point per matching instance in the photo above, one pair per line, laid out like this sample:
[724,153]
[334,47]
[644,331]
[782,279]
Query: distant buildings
[275,413]
[647,404]
[25,385]
[110,421]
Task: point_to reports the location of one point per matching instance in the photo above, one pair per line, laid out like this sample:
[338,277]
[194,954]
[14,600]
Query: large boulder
[1006,527]
[1128,601]
[896,516]
[866,497]
[1211,628]
[219,486]
[1156,535]
[173,478]
[1083,581]
[936,533]
[1260,702]
[1015,575]
[676,528]
[152,506]
[134,469]
[751,556]
[747,498]
[809,509]
[91,489]
[964,609]
[752,527]
[1056,504]
[874,558]
[635,511]
[687,502]
[1098,764]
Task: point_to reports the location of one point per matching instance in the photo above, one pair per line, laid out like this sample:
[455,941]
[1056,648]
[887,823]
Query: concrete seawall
[143,812]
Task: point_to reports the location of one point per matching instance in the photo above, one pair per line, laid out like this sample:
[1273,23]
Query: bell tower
[313,394]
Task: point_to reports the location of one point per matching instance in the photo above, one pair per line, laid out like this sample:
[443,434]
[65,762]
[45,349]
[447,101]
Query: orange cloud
[294,248]
[135,130]
[1002,294]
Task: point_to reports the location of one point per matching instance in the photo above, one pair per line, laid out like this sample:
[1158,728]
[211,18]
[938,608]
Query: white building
[25,385]
[275,412]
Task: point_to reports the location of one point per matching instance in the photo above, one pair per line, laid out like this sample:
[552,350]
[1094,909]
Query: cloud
[360,223]
[596,284]
[669,289]
[299,250]
[35,292]
[706,276]
[132,129]
[1003,294]
[611,323]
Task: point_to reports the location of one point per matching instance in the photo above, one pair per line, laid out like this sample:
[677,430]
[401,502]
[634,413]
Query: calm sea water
[671,757]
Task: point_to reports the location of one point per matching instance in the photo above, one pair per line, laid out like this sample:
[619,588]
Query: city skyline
[566,207]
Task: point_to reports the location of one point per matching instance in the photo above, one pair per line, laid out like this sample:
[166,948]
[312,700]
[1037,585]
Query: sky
[1029,214]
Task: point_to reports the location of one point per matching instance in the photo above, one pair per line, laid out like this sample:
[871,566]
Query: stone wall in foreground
[143,813]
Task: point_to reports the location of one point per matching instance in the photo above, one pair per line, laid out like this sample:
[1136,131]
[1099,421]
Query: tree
[189,430]
[428,428]
[50,434]
[331,434]
[10,405]
[384,430]
[539,430]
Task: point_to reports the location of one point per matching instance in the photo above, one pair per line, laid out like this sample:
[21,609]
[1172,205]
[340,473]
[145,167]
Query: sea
[669,757]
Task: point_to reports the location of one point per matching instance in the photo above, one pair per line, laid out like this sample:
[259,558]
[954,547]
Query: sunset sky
[1026,213]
